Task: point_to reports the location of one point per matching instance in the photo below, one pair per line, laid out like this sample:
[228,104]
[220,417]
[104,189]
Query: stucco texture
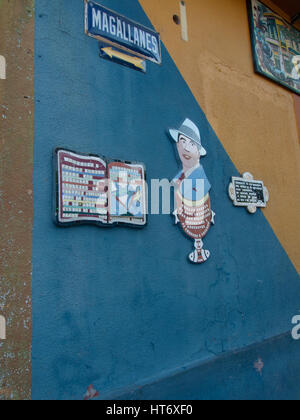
[253,117]
[16,194]
[297,110]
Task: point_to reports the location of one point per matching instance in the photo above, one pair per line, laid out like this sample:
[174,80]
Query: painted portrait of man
[192,187]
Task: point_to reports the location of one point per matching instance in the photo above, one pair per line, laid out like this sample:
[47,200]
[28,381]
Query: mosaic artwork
[91,189]
[276,46]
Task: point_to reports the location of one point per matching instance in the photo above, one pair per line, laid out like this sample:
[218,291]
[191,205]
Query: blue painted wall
[230,376]
[113,307]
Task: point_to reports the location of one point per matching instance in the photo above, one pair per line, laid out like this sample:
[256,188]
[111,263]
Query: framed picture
[276,46]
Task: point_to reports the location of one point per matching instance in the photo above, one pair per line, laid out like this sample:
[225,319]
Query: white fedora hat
[190,130]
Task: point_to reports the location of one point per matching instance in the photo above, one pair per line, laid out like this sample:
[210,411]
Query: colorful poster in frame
[275,45]
[90,189]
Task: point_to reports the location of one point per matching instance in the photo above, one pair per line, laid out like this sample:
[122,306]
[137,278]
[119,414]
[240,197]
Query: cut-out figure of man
[193,207]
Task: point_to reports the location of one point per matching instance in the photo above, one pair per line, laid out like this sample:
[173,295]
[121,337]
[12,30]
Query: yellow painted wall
[253,117]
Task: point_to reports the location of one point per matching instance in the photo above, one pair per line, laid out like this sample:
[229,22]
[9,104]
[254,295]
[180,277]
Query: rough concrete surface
[16,196]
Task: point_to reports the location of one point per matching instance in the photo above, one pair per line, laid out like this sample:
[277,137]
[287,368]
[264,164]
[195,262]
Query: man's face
[189,152]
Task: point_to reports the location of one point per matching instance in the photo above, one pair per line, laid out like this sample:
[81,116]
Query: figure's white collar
[190,171]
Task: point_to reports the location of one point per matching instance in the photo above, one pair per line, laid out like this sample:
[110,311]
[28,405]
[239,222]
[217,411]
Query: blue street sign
[110,27]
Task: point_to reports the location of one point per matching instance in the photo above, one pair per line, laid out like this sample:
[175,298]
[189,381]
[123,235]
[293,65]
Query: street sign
[122,33]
